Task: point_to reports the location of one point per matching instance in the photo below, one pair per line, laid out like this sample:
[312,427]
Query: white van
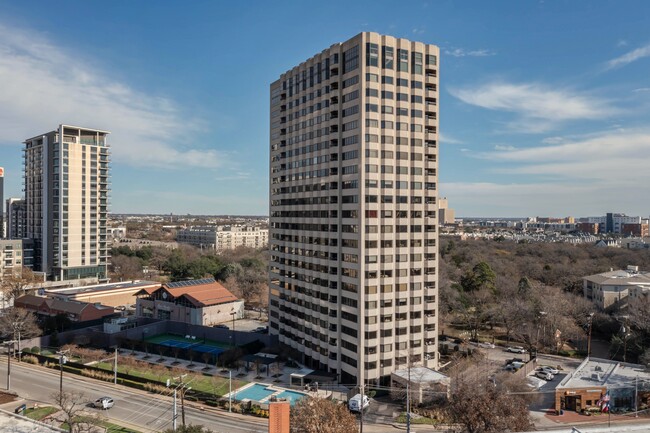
[355,403]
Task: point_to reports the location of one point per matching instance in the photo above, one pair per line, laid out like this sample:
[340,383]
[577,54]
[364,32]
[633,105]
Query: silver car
[104,403]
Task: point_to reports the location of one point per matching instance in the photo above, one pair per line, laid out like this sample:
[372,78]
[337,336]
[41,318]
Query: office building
[16,217]
[446,215]
[66,195]
[353,227]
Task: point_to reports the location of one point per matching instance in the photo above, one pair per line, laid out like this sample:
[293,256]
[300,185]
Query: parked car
[486,345]
[548,369]
[261,329]
[222,326]
[544,375]
[510,361]
[104,403]
[514,366]
[534,382]
[515,349]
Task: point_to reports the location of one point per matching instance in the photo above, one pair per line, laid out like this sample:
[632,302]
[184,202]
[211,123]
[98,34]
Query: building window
[403,56]
[387,54]
[372,54]
[351,59]
[416,59]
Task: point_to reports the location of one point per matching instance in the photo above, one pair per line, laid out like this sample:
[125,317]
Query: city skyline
[550,122]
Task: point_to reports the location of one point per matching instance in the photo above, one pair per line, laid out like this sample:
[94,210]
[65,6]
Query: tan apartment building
[353,225]
[66,195]
[610,290]
[222,238]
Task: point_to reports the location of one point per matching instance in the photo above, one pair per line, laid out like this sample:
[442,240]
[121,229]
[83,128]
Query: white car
[534,382]
[544,375]
[548,369]
[515,349]
[486,345]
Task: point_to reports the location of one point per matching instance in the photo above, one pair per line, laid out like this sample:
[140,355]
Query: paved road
[145,411]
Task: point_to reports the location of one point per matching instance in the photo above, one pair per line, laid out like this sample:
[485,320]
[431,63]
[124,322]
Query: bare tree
[483,408]
[126,268]
[319,415]
[19,323]
[72,404]
[17,284]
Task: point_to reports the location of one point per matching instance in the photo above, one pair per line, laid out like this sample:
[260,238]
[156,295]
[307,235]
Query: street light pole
[230,393]
[591,318]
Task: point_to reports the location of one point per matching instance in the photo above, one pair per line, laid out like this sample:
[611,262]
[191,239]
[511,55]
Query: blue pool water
[256,392]
[292,396]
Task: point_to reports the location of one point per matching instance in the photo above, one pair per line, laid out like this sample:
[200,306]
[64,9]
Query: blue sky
[544,105]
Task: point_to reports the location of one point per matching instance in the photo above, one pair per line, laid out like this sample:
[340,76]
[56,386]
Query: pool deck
[277,390]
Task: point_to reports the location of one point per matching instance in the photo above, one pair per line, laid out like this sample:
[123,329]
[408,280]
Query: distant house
[75,311]
[197,302]
[610,290]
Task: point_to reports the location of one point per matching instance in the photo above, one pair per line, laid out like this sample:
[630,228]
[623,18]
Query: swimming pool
[256,392]
[291,396]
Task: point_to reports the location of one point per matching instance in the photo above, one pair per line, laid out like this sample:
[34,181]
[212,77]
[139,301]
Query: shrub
[97,375]
[30,359]
[36,349]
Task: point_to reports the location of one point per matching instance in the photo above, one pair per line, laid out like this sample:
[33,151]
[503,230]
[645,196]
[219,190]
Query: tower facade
[66,197]
[353,226]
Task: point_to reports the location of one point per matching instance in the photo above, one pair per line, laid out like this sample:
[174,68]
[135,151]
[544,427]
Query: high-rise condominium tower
[66,195]
[353,233]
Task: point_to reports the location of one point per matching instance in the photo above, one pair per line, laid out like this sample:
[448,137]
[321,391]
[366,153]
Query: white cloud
[621,43]
[45,85]
[642,89]
[540,108]
[460,52]
[448,139]
[629,57]
[501,148]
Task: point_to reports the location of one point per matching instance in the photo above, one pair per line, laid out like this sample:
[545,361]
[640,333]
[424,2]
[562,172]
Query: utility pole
[115,367]
[184,389]
[8,343]
[636,397]
[230,392]
[61,362]
[591,318]
[408,396]
[174,412]
[361,406]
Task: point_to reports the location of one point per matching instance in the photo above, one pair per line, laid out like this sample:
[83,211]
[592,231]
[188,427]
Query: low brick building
[76,311]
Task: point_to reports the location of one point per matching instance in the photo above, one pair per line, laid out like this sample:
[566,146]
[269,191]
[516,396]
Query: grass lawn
[419,420]
[209,384]
[115,428]
[40,413]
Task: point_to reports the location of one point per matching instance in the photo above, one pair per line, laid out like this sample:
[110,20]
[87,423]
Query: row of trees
[243,270]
